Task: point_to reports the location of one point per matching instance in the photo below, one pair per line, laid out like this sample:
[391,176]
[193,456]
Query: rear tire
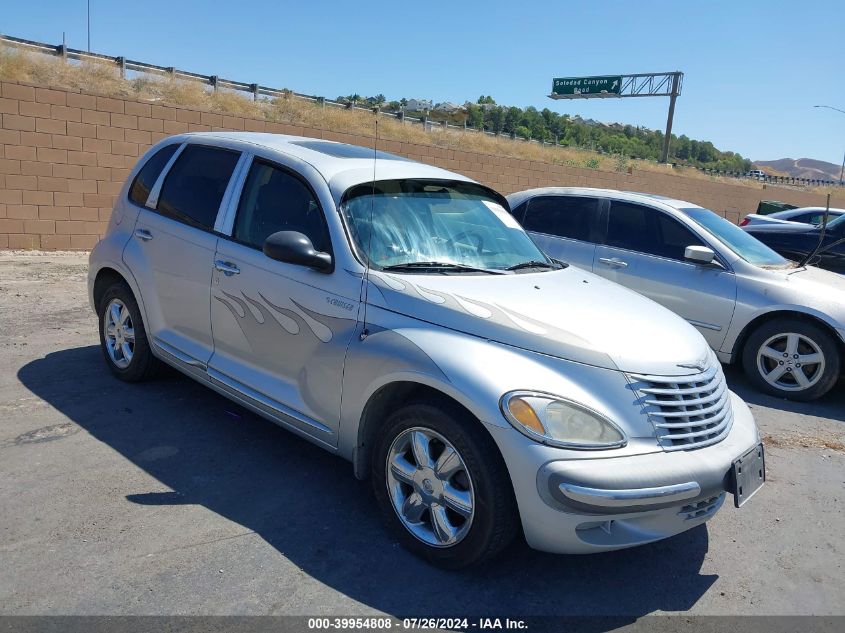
[464,511]
[792,358]
[123,339]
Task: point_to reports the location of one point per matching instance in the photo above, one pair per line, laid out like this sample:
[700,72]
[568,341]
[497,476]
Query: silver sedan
[784,323]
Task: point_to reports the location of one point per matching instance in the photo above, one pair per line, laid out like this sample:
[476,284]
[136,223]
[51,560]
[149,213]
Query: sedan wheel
[791,362]
[430,487]
[792,358]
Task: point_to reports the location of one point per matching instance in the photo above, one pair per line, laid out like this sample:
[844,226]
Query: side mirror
[293,247]
[699,254]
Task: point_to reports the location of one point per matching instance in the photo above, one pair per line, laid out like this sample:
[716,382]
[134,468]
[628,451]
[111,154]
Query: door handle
[143,234]
[613,262]
[227,268]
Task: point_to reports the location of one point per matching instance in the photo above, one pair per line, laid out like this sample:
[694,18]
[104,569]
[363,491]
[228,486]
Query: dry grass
[103,78]
[803,440]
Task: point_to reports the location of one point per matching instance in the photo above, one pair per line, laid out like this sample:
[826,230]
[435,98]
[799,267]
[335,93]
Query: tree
[475,116]
[513,116]
[547,125]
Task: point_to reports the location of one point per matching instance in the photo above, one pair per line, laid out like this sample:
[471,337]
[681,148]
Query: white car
[785,324]
[801,216]
[396,314]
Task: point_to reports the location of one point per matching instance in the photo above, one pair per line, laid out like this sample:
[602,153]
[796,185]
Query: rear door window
[562,216]
[146,178]
[194,186]
[646,230]
[815,218]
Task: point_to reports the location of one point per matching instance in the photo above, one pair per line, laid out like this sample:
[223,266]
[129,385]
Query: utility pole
[89,26]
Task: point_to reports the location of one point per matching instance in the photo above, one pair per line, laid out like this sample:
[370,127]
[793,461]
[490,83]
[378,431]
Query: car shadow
[831,405]
[307,505]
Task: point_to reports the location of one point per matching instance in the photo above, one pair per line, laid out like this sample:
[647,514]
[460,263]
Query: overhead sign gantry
[621,86]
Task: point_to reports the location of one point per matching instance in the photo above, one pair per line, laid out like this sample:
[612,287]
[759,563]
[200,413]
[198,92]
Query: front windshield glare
[743,244]
[397,222]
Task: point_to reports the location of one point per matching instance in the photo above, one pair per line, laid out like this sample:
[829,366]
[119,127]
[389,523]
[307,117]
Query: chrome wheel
[790,361]
[119,333]
[430,487]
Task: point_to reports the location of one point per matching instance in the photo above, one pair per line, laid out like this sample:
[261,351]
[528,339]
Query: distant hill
[801,168]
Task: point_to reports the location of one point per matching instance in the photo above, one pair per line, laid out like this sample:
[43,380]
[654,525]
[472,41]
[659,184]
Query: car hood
[568,313]
[820,289]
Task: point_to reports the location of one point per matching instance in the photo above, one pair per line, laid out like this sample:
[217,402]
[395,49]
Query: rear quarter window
[564,216]
[139,192]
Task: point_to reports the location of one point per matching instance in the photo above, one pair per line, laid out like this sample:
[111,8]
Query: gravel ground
[166,498]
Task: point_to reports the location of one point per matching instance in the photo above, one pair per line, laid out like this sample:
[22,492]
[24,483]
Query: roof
[632,196]
[342,165]
[799,210]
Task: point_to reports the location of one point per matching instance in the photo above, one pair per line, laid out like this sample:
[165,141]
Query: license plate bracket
[748,473]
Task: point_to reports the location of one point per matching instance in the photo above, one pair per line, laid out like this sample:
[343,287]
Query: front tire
[792,358]
[123,339]
[442,486]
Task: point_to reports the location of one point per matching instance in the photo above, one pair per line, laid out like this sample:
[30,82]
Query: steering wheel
[477,238]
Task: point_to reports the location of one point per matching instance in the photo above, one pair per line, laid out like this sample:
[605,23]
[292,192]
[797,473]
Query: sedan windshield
[743,244]
[427,226]
[837,223]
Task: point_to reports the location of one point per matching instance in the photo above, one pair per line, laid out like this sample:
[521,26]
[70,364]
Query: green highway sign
[587,85]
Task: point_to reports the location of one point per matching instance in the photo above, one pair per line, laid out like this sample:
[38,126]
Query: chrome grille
[688,412]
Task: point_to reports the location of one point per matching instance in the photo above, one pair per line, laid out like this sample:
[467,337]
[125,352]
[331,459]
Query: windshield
[833,224]
[743,244]
[442,222]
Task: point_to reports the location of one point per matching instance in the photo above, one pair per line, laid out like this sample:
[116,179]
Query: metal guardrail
[775,180]
[258,91]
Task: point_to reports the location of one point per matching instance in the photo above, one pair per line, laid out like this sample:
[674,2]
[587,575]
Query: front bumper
[583,505]
[629,497]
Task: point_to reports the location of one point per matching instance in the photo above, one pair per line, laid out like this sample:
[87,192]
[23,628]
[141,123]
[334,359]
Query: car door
[643,249]
[281,330]
[171,254]
[564,227]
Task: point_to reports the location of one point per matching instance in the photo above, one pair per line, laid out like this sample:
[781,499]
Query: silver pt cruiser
[397,315]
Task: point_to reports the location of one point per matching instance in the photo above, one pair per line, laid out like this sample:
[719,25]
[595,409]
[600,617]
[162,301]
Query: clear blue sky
[753,69]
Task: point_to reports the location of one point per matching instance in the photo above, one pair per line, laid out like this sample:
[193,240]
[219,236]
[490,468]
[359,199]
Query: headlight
[559,422]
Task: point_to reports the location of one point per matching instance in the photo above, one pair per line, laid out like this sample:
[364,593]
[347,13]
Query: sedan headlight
[560,422]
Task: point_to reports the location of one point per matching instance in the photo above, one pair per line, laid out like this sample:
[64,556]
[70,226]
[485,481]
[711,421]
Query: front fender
[476,373]
[746,315]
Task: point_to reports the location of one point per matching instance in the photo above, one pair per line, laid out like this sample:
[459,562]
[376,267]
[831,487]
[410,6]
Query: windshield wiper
[533,264]
[440,267]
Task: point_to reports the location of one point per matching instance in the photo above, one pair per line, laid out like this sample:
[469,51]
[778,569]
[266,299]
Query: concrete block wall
[64,156]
